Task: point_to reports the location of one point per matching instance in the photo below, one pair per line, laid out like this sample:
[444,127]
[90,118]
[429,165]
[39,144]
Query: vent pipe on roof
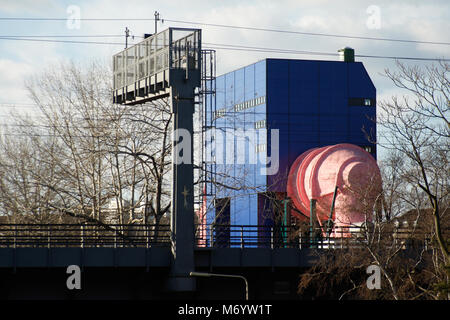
[347,54]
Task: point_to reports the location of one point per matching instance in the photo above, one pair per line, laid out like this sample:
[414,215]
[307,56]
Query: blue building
[312,103]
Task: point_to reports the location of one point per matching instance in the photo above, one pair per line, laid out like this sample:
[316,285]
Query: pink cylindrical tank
[316,173]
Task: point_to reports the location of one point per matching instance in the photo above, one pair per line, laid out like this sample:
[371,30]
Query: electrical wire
[307,33]
[60,41]
[236,27]
[64,36]
[80,19]
[237,48]
[315,53]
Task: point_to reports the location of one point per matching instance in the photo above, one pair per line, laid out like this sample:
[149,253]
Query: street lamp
[207,275]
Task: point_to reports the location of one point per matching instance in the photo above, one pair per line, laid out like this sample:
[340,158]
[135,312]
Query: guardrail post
[242,236]
[300,240]
[271,237]
[319,231]
[49,236]
[147,233]
[312,222]
[82,236]
[15,237]
[211,237]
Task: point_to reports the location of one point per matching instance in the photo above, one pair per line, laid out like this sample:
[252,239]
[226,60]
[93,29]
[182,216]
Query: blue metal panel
[260,78]
[325,88]
[240,210]
[303,118]
[333,106]
[249,82]
[240,145]
[260,112]
[239,84]
[249,124]
[217,145]
[229,120]
[236,87]
[360,84]
[333,129]
[339,100]
[360,118]
[278,112]
[220,93]
[333,117]
[277,90]
[304,91]
[229,89]
[306,100]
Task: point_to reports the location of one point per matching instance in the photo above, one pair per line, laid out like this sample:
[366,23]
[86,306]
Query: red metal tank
[316,173]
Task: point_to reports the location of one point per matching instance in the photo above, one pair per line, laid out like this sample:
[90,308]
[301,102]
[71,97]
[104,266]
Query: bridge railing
[83,235]
[250,236]
[220,236]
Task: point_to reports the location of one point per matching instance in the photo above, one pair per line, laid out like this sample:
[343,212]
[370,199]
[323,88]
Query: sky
[402,19]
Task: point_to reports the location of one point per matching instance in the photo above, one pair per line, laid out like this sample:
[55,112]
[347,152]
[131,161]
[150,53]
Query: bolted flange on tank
[347,54]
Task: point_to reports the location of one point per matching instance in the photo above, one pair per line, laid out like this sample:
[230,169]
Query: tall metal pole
[182,222]
[156,21]
[181,80]
[127,34]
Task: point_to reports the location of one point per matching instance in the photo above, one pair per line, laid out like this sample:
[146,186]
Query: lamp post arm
[207,275]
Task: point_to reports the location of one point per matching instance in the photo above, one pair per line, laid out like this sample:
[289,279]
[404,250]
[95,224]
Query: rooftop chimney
[347,54]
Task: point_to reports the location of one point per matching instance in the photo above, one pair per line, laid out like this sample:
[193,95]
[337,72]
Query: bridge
[147,246]
[133,261]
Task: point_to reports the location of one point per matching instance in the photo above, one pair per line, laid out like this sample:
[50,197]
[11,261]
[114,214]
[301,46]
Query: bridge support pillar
[182,218]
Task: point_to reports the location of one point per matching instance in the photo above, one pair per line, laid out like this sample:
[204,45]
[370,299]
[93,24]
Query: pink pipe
[316,172]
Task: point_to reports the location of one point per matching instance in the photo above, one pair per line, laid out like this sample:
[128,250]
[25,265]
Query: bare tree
[87,159]
[417,127]
[91,159]
[409,242]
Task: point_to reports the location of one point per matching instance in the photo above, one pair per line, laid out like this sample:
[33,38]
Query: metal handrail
[83,235]
[216,235]
[249,236]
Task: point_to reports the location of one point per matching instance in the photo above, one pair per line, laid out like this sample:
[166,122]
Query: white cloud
[427,21]
[23,7]
[423,22]
[312,22]
[11,83]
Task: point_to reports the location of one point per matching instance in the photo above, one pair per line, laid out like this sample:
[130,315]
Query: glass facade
[307,101]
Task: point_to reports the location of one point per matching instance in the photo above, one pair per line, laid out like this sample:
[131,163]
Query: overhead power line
[290,51]
[307,33]
[81,19]
[265,49]
[233,47]
[61,41]
[237,27]
[65,36]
